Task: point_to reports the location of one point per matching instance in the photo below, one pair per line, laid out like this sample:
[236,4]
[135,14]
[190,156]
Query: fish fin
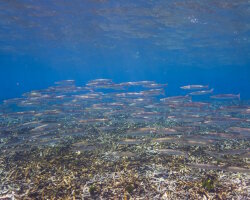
[212,90]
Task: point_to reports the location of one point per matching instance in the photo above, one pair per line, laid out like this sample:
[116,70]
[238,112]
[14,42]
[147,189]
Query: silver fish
[226,96]
[202,92]
[194,87]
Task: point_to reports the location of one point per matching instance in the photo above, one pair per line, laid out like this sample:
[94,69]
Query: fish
[226,96]
[65,82]
[194,87]
[171,152]
[175,98]
[202,92]
[155,85]
[167,131]
[93,120]
[41,112]
[153,92]
[99,83]
[137,83]
[195,104]
[129,94]
[239,130]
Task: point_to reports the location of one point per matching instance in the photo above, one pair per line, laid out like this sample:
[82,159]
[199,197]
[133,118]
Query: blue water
[174,42]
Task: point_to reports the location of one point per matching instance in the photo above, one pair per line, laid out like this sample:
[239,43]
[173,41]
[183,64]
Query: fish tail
[238,95]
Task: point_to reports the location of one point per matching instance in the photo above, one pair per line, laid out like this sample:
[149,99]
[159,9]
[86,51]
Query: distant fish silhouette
[202,92]
[194,87]
[226,96]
